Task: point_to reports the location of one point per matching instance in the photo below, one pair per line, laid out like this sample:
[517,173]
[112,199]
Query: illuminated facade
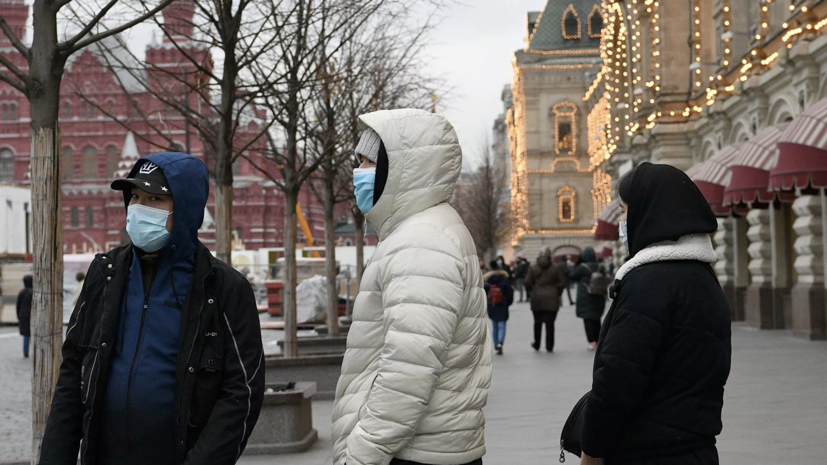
[557,187]
[719,106]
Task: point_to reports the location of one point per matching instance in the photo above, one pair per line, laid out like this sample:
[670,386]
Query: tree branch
[7,31]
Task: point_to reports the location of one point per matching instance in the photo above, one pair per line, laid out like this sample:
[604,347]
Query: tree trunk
[359,218]
[330,252]
[223,221]
[291,347]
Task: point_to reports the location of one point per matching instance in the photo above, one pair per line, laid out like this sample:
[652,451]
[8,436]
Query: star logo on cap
[164,188]
[147,184]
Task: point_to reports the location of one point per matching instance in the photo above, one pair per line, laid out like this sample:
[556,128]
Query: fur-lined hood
[692,247]
[492,273]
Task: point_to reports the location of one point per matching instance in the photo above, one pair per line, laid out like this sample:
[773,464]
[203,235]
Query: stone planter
[286,421]
[319,345]
[324,370]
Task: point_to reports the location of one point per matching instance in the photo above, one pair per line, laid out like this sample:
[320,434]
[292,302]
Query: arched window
[90,218]
[67,109]
[111,108]
[566,206]
[90,163]
[75,217]
[111,160]
[6,166]
[565,128]
[571,23]
[92,108]
[68,166]
[14,112]
[176,147]
[5,112]
[83,110]
[595,23]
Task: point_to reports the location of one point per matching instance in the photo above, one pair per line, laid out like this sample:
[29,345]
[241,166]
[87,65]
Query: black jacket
[545,281]
[24,307]
[220,374]
[664,352]
[589,306]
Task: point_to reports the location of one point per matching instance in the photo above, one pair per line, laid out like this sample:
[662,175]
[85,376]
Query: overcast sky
[472,48]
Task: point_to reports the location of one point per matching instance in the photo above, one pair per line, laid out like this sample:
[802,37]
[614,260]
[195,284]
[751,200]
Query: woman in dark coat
[24,312]
[544,282]
[590,307]
[664,353]
[500,296]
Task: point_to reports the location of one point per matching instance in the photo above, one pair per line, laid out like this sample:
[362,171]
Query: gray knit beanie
[368,145]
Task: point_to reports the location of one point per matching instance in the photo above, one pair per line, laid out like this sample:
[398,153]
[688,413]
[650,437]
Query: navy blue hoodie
[138,424]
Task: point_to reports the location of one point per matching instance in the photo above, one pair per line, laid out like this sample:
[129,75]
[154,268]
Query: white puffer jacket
[417,369]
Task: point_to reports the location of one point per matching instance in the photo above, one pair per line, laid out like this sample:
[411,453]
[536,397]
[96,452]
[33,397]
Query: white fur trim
[692,247]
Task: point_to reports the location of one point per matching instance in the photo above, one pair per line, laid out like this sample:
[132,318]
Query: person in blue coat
[500,297]
[162,360]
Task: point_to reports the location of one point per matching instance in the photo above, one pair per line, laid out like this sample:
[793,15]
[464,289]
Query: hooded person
[162,360]
[417,368]
[664,352]
[24,312]
[545,283]
[590,306]
[500,297]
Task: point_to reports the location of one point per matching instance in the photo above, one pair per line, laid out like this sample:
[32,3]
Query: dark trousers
[26,346]
[408,462]
[592,329]
[519,285]
[540,319]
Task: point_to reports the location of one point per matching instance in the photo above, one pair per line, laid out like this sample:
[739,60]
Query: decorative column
[723,267]
[808,314]
[758,308]
[740,265]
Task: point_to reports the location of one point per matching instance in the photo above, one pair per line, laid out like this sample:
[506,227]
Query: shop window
[595,23]
[565,128]
[6,166]
[571,24]
[90,163]
[566,206]
[68,167]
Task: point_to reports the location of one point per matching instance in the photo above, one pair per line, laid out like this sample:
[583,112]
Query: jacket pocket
[87,374]
[364,407]
[207,388]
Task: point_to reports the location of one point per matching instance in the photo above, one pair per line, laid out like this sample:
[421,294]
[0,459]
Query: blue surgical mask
[364,180]
[623,232]
[147,227]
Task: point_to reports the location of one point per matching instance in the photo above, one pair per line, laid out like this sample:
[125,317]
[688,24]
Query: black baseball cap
[149,178]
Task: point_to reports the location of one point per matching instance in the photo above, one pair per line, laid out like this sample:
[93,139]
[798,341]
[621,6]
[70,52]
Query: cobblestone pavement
[775,408]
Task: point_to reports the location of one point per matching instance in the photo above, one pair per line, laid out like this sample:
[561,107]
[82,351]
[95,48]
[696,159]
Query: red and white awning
[749,173]
[802,152]
[607,222]
[711,176]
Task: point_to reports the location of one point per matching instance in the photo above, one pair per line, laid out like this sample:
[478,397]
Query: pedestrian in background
[500,297]
[545,283]
[417,368]
[519,274]
[592,285]
[563,264]
[665,351]
[24,312]
[163,351]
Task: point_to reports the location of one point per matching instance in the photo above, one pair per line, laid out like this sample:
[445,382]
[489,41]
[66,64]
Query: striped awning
[749,174]
[607,221]
[802,152]
[711,175]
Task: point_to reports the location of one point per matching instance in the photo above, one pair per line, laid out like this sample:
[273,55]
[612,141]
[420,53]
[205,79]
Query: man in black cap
[162,362]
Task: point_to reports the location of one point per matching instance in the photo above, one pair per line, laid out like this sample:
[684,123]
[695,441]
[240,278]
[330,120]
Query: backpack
[495,295]
[598,283]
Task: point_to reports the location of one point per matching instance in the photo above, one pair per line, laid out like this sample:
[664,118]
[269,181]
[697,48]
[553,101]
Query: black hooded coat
[24,307]
[589,306]
[664,352]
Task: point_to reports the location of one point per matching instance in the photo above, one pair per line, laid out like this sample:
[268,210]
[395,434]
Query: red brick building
[95,148]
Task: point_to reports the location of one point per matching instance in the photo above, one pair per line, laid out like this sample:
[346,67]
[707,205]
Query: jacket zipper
[134,363]
[192,347]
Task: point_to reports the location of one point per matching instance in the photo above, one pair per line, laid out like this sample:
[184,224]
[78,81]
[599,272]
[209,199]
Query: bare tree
[482,206]
[38,76]
[216,101]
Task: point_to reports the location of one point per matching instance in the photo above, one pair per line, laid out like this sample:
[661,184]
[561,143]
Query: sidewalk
[775,409]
